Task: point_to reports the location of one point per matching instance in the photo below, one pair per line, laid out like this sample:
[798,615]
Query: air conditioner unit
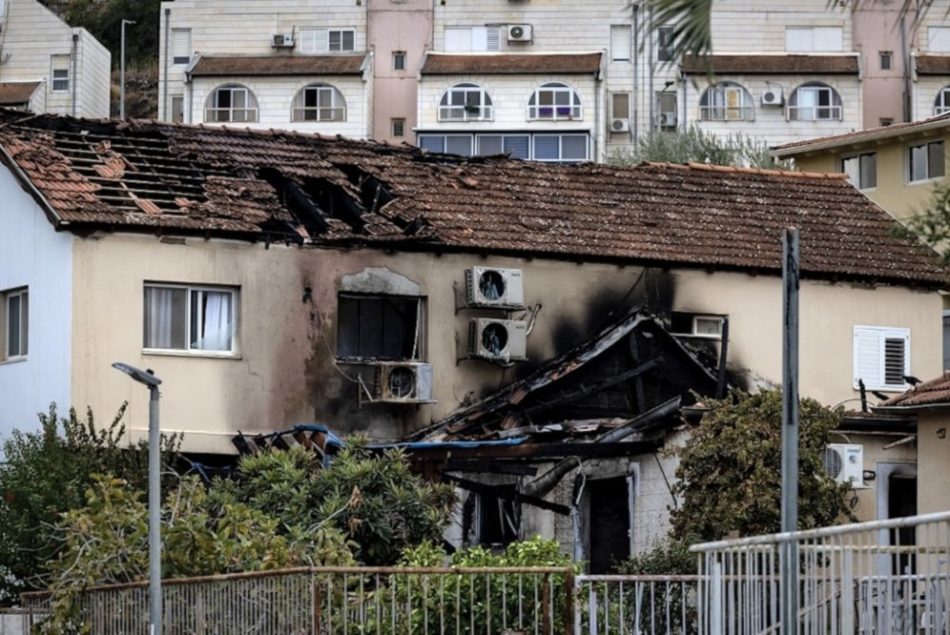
[620,125]
[284,41]
[403,382]
[844,462]
[498,340]
[520,32]
[667,119]
[488,287]
[773,97]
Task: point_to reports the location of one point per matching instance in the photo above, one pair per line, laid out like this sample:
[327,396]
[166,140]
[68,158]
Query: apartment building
[547,81]
[47,66]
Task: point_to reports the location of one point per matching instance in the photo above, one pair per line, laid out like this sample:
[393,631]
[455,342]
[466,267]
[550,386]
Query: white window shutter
[493,38]
[799,39]
[828,38]
[867,358]
[479,38]
[458,39]
[881,357]
[938,39]
[322,44]
[309,41]
[620,43]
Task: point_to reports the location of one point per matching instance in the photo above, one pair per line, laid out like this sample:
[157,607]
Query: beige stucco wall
[933,461]
[286,371]
[893,192]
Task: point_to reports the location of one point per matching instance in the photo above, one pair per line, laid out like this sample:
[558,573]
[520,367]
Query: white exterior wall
[32,254]
[924,93]
[243,27]
[275,97]
[771,123]
[31,35]
[745,26]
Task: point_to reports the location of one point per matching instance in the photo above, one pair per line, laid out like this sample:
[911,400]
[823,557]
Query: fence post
[317,605]
[546,623]
[847,591]
[569,626]
[715,599]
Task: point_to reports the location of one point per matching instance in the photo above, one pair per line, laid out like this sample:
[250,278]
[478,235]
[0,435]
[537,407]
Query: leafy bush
[729,475]
[46,473]
[693,145]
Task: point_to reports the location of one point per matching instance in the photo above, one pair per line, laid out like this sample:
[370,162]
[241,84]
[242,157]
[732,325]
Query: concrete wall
[877,28]
[407,27]
[933,461]
[34,256]
[275,97]
[893,192]
[31,35]
[220,27]
[285,371]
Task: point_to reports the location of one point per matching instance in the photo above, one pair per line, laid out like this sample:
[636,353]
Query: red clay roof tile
[278,65]
[511,63]
[771,64]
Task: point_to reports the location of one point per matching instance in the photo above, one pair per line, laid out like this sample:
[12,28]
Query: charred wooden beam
[643,421]
[538,452]
[483,488]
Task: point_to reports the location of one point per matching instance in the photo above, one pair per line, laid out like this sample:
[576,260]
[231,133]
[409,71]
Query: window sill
[894,389]
[356,361]
[14,360]
[935,179]
[157,352]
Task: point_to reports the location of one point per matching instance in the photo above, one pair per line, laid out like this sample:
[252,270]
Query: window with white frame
[667,108]
[925,161]
[563,148]
[555,101]
[465,102]
[181,46]
[814,101]
[938,39]
[942,103]
[621,37]
[811,39]
[315,41]
[726,101]
[665,43]
[472,38]
[620,105]
[178,108]
[447,143]
[59,70]
[699,325]
[231,103]
[861,170]
[881,357]
[516,146]
[14,323]
[190,318]
[319,102]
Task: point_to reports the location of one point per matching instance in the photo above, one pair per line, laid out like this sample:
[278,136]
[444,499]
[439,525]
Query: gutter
[27,184]
[74,79]
[168,13]
[918,408]
[887,132]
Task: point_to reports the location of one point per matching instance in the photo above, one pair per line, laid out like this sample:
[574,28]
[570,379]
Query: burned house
[272,279]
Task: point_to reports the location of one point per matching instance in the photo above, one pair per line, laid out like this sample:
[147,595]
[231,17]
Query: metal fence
[344,601]
[879,577]
[636,605]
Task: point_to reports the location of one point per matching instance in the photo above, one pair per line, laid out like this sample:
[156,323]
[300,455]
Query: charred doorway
[608,523]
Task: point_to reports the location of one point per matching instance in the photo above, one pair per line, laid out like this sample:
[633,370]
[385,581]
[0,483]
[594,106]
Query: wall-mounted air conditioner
[844,462]
[773,97]
[520,32]
[498,340]
[619,125]
[667,120]
[403,382]
[283,41]
[490,287]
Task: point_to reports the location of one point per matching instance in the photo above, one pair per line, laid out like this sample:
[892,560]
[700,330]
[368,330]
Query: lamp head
[146,377]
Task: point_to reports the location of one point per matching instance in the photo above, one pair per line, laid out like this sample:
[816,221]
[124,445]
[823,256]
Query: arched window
[814,101]
[726,101]
[942,103]
[319,102]
[555,101]
[231,103]
[465,102]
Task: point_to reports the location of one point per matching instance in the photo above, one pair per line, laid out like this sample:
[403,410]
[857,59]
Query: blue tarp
[449,445]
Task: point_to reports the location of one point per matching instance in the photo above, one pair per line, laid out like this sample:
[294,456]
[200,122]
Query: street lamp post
[122,70]
[149,379]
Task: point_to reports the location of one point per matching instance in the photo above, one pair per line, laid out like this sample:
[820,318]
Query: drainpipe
[636,76]
[905,58]
[168,13]
[650,96]
[74,77]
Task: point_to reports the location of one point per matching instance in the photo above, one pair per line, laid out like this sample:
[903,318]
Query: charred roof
[317,190]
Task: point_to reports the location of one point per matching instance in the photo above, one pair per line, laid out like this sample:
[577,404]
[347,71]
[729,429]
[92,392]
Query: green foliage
[671,557]
[103,19]
[729,475]
[46,473]
[693,145]
[932,223]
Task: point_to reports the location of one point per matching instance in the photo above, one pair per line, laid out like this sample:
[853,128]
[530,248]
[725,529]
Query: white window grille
[319,102]
[726,101]
[555,101]
[231,104]
[814,102]
[465,102]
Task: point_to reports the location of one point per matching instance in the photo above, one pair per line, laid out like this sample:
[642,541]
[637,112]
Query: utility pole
[122,70]
[789,548]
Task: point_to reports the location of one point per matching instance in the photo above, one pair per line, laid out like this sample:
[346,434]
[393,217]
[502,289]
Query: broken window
[382,327]
[498,518]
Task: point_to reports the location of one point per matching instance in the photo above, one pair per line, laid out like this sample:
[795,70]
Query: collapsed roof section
[277,186]
[627,381]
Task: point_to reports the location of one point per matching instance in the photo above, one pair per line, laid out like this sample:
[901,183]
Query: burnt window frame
[417,353]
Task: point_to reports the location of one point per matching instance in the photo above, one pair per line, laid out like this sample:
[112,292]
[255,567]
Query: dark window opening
[499,519]
[609,523]
[902,502]
[379,327]
[887,58]
[665,42]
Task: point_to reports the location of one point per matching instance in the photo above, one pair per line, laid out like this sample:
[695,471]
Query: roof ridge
[713,167]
